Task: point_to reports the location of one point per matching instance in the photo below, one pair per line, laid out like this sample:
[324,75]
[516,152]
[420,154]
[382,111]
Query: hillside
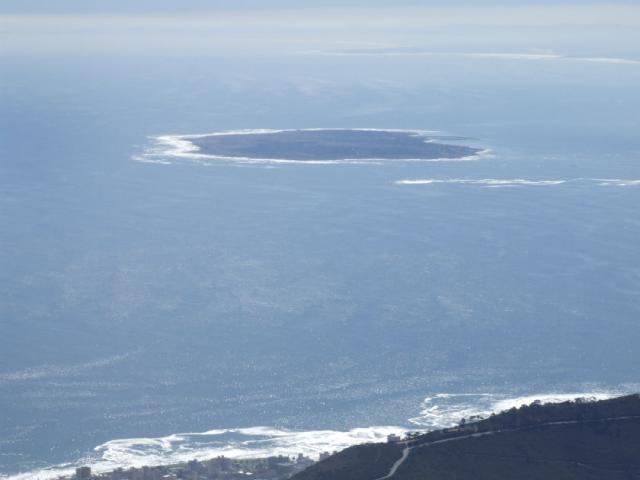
[570,440]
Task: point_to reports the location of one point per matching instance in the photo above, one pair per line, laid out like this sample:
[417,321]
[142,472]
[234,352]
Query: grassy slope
[364,461]
[594,451]
[600,450]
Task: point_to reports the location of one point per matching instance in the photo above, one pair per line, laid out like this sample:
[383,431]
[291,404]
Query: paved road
[407,449]
[400,461]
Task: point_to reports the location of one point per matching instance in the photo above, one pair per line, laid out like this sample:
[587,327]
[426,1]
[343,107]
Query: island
[327,145]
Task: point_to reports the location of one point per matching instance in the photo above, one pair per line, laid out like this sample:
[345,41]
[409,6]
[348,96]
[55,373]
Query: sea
[157,306]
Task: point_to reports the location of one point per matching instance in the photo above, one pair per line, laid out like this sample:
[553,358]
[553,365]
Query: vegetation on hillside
[581,439]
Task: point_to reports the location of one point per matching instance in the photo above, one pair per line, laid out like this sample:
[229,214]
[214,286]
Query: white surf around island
[520,182]
[168,149]
[487,182]
[437,411]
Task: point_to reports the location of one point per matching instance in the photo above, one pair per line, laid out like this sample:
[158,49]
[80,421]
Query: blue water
[141,299]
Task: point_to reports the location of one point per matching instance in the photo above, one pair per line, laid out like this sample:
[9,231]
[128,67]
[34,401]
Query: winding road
[408,448]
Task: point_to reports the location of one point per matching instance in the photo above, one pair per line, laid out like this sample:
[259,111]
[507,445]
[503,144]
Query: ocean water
[285,307]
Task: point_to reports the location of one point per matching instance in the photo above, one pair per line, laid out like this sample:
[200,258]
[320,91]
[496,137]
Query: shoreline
[436,411]
[220,468]
[194,147]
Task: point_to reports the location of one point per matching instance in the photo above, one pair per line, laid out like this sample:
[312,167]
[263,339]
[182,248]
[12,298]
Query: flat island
[328,145]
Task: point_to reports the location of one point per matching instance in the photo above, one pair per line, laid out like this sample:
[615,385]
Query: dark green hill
[570,440]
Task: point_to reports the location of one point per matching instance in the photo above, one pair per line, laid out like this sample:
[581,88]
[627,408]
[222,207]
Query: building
[393,438]
[83,473]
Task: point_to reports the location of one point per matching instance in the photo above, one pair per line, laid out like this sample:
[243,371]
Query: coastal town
[220,468]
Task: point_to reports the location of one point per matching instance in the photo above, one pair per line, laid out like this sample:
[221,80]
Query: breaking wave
[490,182]
[518,182]
[255,442]
[437,411]
[446,409]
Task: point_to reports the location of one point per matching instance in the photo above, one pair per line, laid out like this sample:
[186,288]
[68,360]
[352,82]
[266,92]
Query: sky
[186,6]
[165,26]
[325,13]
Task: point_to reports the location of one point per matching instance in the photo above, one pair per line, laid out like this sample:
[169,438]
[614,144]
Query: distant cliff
[571,440]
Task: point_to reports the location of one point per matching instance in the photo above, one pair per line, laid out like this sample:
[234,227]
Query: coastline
[186,146]
[436,412]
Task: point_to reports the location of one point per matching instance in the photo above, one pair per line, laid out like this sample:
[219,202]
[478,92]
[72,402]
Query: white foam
[617,182]
[518,182]
[179,146]
[253,442]
[489,182]
[446,409]
[509,403]
[438,411]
